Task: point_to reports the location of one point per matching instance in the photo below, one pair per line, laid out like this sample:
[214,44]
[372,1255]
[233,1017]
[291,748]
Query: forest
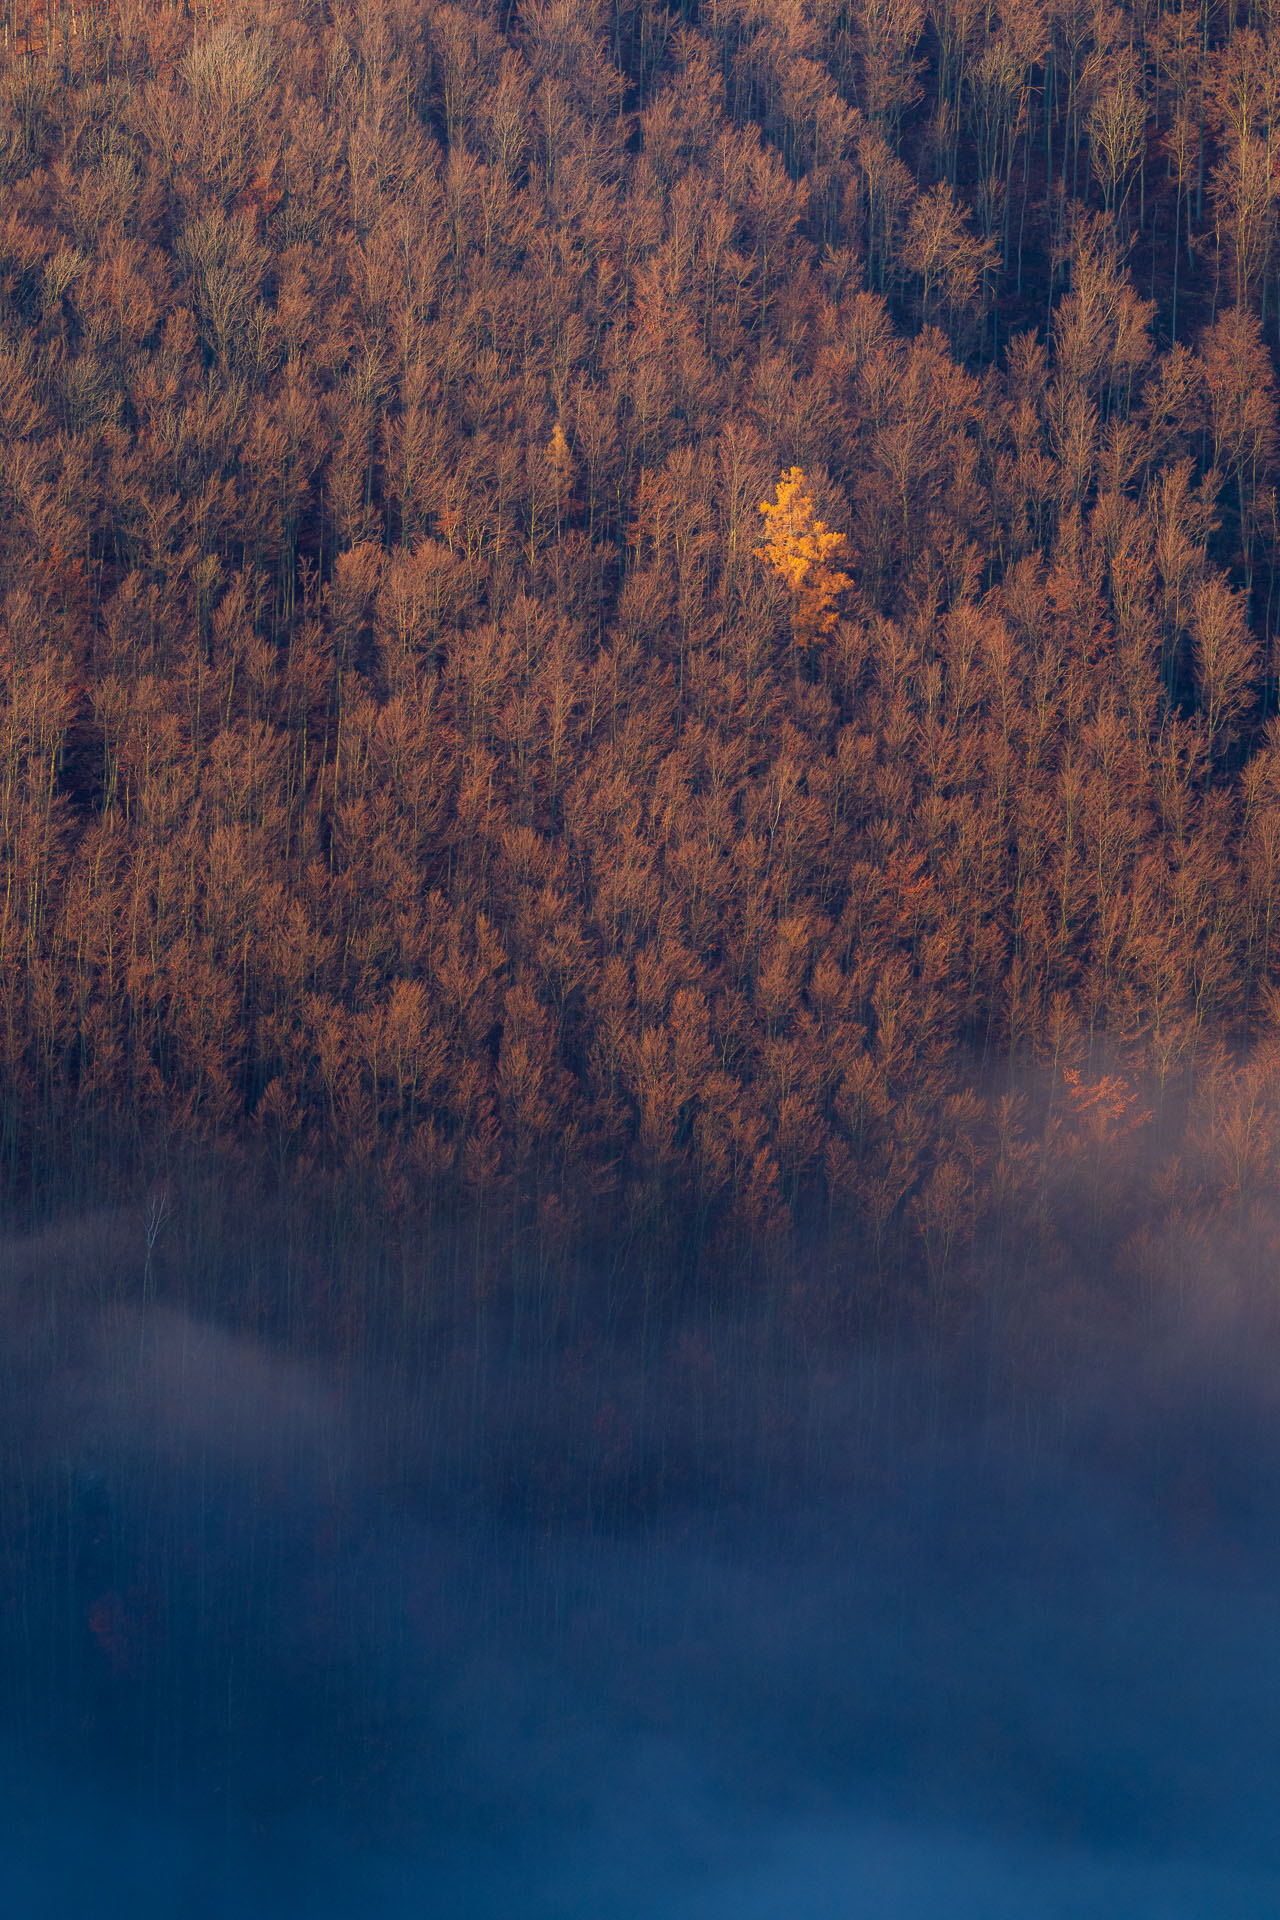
[647,623]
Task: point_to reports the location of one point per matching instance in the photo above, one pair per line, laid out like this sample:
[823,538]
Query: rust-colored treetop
[45,30]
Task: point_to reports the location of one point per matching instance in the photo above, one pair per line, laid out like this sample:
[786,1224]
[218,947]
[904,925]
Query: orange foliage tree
[798,547]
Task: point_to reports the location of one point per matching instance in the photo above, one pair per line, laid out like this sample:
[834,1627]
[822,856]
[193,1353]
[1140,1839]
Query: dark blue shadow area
[720,1632]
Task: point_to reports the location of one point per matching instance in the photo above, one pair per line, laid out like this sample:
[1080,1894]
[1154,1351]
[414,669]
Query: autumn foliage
[427,772]
[797,548]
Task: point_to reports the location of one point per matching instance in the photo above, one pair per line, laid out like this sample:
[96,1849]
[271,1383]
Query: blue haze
[749,1625]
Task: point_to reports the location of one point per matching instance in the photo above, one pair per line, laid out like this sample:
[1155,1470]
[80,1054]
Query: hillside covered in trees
[427,775]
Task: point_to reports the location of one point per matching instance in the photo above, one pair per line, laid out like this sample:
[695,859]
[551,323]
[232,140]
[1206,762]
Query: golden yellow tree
[798,547]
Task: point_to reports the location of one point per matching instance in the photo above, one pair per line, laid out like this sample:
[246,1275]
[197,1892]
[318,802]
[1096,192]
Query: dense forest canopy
[427,772]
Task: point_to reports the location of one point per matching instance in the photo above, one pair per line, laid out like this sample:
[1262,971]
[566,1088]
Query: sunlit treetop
[798,548]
